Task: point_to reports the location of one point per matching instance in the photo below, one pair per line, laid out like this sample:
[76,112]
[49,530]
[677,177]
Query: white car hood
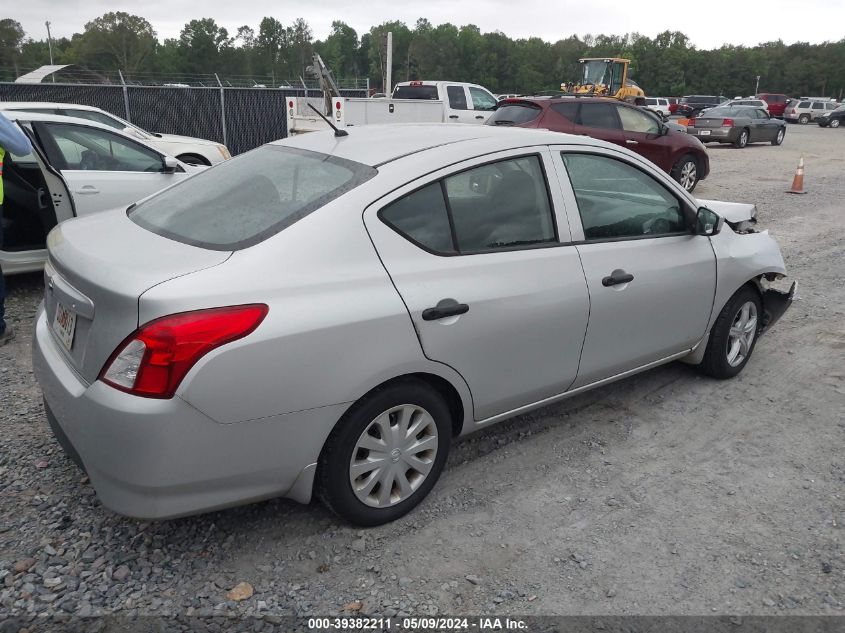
[733,212]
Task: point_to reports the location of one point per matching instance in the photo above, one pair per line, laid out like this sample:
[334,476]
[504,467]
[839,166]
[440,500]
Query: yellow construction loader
[607,77]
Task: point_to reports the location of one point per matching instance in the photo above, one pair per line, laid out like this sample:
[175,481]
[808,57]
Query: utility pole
[757,87]
[50,48]
[388,82]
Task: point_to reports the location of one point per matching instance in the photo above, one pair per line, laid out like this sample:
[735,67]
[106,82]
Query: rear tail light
[690,122]
[727,122]
[153,360]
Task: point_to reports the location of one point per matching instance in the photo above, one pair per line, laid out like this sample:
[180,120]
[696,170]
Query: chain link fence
[242,118]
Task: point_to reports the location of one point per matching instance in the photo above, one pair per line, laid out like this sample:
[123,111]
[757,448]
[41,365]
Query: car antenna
[337,132]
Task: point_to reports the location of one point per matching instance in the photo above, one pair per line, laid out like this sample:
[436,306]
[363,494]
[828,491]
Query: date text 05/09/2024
[478,623]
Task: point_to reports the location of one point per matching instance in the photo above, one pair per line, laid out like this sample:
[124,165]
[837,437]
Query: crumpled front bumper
[775,303]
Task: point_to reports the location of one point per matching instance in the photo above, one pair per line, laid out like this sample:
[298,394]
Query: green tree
[202,42]
[115,40]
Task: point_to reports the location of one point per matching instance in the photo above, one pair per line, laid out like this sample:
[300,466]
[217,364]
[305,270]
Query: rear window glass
[567,110]
[416,92]
[514,114]
[242,201]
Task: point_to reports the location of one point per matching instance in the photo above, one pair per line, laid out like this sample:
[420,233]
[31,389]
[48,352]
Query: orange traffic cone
[798,180]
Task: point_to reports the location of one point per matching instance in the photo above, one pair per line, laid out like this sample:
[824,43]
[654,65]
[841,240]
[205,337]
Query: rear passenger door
[458,109]
[651,281]
[601,121]
[486,269]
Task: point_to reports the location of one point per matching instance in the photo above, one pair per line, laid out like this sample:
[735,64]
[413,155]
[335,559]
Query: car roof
[376,145]
[24,105]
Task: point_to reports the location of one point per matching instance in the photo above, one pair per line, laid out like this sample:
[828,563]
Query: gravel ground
[667,493]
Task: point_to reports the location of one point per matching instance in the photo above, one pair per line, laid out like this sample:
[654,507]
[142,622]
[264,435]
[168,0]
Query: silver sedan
[326,314]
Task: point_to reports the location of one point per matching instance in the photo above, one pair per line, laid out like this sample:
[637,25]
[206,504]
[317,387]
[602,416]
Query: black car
[691,105]
[834,118]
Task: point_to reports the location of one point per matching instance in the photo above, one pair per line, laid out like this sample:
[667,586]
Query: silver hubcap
[834,123]
[780,137]
[688,174]
[742,333]
[743,138]
[393,456]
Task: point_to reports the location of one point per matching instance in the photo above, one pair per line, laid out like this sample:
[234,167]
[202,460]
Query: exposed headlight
[225,152]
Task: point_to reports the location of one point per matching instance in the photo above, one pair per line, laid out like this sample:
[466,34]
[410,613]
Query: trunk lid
[97,268]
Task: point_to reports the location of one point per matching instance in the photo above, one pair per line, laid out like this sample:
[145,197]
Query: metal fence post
[125,96]
[222,109]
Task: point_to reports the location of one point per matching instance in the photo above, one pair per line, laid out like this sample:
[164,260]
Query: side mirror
[707,222]
[169,165]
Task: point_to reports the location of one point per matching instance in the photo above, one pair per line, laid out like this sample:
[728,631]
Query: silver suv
[806,110]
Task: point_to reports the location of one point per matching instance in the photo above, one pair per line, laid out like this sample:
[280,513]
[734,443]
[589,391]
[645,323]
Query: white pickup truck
[411,102]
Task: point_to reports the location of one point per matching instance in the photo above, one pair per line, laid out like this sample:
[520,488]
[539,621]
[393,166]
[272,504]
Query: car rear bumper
[713,134]
[156,459]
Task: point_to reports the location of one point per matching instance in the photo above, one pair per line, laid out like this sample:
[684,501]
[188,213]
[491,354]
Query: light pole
[757,87]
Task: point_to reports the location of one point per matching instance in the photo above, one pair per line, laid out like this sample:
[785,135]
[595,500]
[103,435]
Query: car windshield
[841,108]
[514,113]
[245,200]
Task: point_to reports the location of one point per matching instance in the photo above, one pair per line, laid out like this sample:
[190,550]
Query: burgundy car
[674,151]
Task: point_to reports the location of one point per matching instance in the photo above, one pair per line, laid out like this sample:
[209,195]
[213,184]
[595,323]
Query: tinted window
[636,121]
[817,105]
[416,92]
[514,114]
[830,106]
[422,216]
[499,205]
[481,99]
[804,104]
[457,97]
[242,201]
[88,148]
[568,110]
[617,200]
[601,115]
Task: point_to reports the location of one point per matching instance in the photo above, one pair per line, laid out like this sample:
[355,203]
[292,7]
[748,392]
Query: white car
[194,151]
[79,167]
[657,104]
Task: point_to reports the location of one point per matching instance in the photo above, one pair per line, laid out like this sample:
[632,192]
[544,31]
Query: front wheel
[385,454]
[834,123]
[778,139]
[741,140]
[685,172]
[734,335]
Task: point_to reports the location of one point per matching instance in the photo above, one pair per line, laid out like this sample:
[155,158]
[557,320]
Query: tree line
[668,64]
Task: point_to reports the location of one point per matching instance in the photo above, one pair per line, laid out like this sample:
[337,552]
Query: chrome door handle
[631,142]
[87,190]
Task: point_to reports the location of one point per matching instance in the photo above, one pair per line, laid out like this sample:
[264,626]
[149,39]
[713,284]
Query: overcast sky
[708,23]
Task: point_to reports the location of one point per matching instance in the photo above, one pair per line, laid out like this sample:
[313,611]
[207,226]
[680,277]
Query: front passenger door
[103,169]
[651,281]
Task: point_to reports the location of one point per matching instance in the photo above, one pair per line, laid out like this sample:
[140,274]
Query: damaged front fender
[775,303]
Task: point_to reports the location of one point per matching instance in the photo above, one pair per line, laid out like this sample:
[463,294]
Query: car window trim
[457,253]
[686,208]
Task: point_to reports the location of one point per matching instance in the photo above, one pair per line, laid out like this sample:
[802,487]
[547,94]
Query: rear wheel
[386,453]
[685,172]
[804,119]
[778,139]
[734,335]
[741,140]
[834,122]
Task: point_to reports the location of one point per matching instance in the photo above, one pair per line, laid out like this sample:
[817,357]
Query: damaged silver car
[325,314]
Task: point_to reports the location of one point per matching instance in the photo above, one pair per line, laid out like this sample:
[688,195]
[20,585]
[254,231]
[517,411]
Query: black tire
[742,140]
[778,139]
[193,159]
[822,124]
[333,483]
[715,362]
[834,122]
[681,172]
[804,119]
